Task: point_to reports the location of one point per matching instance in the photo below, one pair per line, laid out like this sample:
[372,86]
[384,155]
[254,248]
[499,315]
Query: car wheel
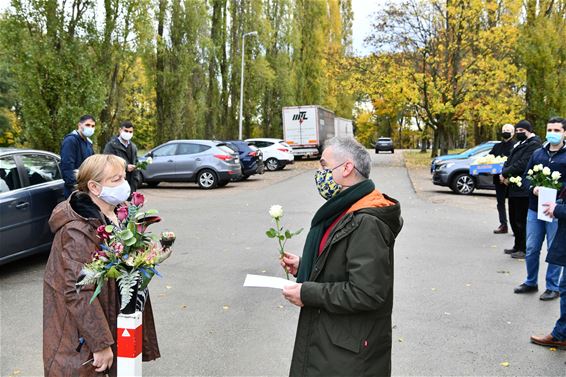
[152,184]
[376,151]
[207,179]
[272,164]
[392,151]
[463,184]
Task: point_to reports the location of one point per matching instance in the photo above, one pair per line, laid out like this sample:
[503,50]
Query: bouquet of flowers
[282,235]
[142,165]
[490,159]
[516,180]
[541,176]
[127,253]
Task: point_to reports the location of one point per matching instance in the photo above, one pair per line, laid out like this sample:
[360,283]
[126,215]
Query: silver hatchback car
[209,163]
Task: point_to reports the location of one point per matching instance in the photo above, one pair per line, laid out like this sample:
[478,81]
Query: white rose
[556,175]
[546,170]
[149,160]
[512,179]
[519,184]
[537,167]
[530,172]
[276,211]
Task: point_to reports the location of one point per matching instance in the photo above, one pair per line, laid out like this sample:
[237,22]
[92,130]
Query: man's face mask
[327,187]
[521,136]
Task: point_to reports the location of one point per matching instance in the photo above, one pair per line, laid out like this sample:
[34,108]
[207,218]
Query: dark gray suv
[456,175]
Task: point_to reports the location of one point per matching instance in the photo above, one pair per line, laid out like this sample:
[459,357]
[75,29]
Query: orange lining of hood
[374,199]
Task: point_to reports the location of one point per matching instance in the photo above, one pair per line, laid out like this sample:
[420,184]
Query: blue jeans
[536,231]
[559,331]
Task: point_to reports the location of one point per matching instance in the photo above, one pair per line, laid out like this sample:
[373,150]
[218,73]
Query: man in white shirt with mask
[122,146]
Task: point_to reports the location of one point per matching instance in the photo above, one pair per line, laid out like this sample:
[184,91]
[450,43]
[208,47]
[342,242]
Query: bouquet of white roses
[542,176]
[490,159]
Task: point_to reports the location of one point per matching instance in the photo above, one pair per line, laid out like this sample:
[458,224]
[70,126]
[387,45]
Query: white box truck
[306,128]
[343,127]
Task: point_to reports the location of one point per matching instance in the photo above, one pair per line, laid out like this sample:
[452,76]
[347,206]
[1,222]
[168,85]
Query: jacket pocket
[347,331]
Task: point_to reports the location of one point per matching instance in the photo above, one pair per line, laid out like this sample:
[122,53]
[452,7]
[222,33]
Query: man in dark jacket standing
[75,148]
[515,166]
[553,156]
[557,255]
[345,276]
[502,149]
[123,146]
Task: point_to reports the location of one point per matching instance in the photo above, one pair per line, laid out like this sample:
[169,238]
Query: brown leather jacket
[67,315]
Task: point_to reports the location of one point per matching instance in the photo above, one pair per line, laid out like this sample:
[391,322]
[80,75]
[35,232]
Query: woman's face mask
[325,183]
[115,195]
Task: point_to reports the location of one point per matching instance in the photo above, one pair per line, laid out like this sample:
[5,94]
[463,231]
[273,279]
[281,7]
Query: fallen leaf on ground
[446,313]
[280,306]
[552,349]
[504,364]
[225,307]
[183,306]
[400,340]
[168,287]
[468,285]
[263,271]
[433,289]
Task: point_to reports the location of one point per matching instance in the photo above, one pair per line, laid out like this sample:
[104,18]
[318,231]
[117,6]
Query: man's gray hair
[348,148]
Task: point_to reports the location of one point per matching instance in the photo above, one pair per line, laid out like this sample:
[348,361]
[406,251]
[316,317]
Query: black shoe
[509,251]
[549,295]
[501,230]
[524,288]
[518,255]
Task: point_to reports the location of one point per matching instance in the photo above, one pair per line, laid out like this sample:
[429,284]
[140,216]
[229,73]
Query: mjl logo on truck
[301,116]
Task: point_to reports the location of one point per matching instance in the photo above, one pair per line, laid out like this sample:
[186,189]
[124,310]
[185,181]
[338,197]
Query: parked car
[455,173]
[251,158]
[485,146]
[209,163]
[384,144]
[30,187]
[276,153]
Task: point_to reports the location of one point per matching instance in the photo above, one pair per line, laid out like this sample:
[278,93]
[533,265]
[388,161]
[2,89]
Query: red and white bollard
[129,345]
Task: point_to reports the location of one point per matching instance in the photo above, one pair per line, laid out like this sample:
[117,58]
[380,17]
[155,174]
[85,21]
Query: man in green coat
[345,275]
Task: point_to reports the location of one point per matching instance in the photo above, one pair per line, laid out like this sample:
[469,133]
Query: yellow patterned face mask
[327,187]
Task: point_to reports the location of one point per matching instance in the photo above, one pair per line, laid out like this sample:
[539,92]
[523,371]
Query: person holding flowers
[527,143]
[79,337]
[557,256]
[551,162]
[502,149]
[345,275]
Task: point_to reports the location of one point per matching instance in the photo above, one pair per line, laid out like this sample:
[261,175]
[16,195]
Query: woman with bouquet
[79,338]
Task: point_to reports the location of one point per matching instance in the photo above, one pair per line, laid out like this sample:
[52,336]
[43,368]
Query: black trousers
[501,193]
[518,209]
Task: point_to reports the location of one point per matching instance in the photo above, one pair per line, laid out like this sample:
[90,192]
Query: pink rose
[122,213]
[138,199]
[118,248]
[102,233]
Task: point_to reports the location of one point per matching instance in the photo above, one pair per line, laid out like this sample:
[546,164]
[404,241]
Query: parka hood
[79,207]
[382,206]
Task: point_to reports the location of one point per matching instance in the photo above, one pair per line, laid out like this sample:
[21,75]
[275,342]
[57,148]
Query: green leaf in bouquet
[126,234]
[298,232]
[113,273]
[288,234]
[151,212]
[282,237]
[109,228]
[130,241]
[271,233]
[146,278]
[126,283]
[98,289]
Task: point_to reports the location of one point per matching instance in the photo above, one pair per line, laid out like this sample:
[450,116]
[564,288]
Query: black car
[30,187]
[251,158]
[384,144]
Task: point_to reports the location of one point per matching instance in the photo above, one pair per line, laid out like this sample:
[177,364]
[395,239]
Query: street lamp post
[242,82]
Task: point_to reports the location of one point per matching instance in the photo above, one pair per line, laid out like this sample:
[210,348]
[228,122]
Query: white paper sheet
[545,195]
[266,281]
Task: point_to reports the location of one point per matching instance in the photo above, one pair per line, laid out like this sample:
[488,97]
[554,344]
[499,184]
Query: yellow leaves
[504,364]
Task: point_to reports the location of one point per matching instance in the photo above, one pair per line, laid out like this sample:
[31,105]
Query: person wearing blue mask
[75,148]
[553,156]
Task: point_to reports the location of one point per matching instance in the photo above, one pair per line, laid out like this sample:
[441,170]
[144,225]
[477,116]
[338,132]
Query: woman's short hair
[349,148]
[94,169]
